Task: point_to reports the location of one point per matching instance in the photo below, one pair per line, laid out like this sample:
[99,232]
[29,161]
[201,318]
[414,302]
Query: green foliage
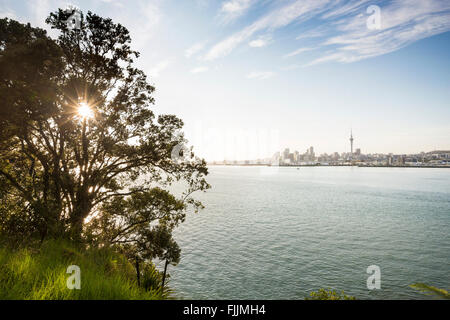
[136,213]
[152,280]
[151,277]
[103,180]
[330,294]
[30,63]
[40,274]
[99,182]
[430,290]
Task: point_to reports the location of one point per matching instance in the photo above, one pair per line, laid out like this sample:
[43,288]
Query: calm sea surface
[279,233]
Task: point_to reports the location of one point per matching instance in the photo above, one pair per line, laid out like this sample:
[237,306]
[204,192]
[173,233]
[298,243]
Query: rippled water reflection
[281,233]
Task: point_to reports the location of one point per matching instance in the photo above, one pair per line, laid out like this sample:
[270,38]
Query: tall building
[310,155]
[286,154]
[276,159]
[351,142]
[390,160]
[296,156]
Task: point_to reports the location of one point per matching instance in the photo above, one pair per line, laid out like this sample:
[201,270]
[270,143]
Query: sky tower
[351,142]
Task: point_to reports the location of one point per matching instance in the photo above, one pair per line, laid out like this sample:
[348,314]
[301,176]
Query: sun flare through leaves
[85,111]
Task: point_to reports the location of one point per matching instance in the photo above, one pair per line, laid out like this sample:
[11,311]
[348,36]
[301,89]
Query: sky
[250,77]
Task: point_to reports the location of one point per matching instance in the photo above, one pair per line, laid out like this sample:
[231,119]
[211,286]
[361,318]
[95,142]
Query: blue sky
[250,77]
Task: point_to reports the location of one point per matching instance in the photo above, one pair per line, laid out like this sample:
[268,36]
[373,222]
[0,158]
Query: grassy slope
[41,274]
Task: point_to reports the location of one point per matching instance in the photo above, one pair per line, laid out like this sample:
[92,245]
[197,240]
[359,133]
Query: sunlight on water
[283,233]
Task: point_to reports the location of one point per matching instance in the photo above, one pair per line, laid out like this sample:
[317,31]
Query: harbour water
[280,233]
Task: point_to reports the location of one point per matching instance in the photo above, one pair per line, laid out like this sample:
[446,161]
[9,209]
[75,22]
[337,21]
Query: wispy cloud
[314,33]
[145,27]
[260,42]
[402,23]
[156,70]
[260,75]
[278,18]
[297,52]
[189,52]
[232,9]
[291,67]
[144,19]
[343,35]
[351,7]
[199,70]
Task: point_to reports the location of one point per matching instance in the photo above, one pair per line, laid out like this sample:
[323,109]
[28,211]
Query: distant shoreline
[322,165]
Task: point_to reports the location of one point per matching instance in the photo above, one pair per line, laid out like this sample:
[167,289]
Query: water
[279,233]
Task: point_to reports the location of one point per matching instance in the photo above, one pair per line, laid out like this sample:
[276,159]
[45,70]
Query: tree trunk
[80,212]
[138,273]
[76,228]
[164,274]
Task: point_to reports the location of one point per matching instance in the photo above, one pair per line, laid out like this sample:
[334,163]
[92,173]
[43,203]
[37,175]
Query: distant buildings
[356,157]
[286,154]
[434,158]
[351,144]
[287,158]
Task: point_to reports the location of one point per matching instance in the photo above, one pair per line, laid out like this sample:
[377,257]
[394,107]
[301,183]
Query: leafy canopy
[102,177]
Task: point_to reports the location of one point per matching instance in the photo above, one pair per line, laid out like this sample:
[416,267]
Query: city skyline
[252,142]
[288,156]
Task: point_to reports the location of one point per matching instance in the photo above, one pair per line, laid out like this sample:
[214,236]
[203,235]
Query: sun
[84,111]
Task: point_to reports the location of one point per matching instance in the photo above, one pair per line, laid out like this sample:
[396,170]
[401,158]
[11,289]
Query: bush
[40,274]
[330,294]
[152,280]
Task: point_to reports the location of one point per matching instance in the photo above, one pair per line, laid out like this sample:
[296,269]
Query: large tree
[81,152]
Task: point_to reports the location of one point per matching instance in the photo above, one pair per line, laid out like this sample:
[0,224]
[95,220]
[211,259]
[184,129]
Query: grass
[40,274]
